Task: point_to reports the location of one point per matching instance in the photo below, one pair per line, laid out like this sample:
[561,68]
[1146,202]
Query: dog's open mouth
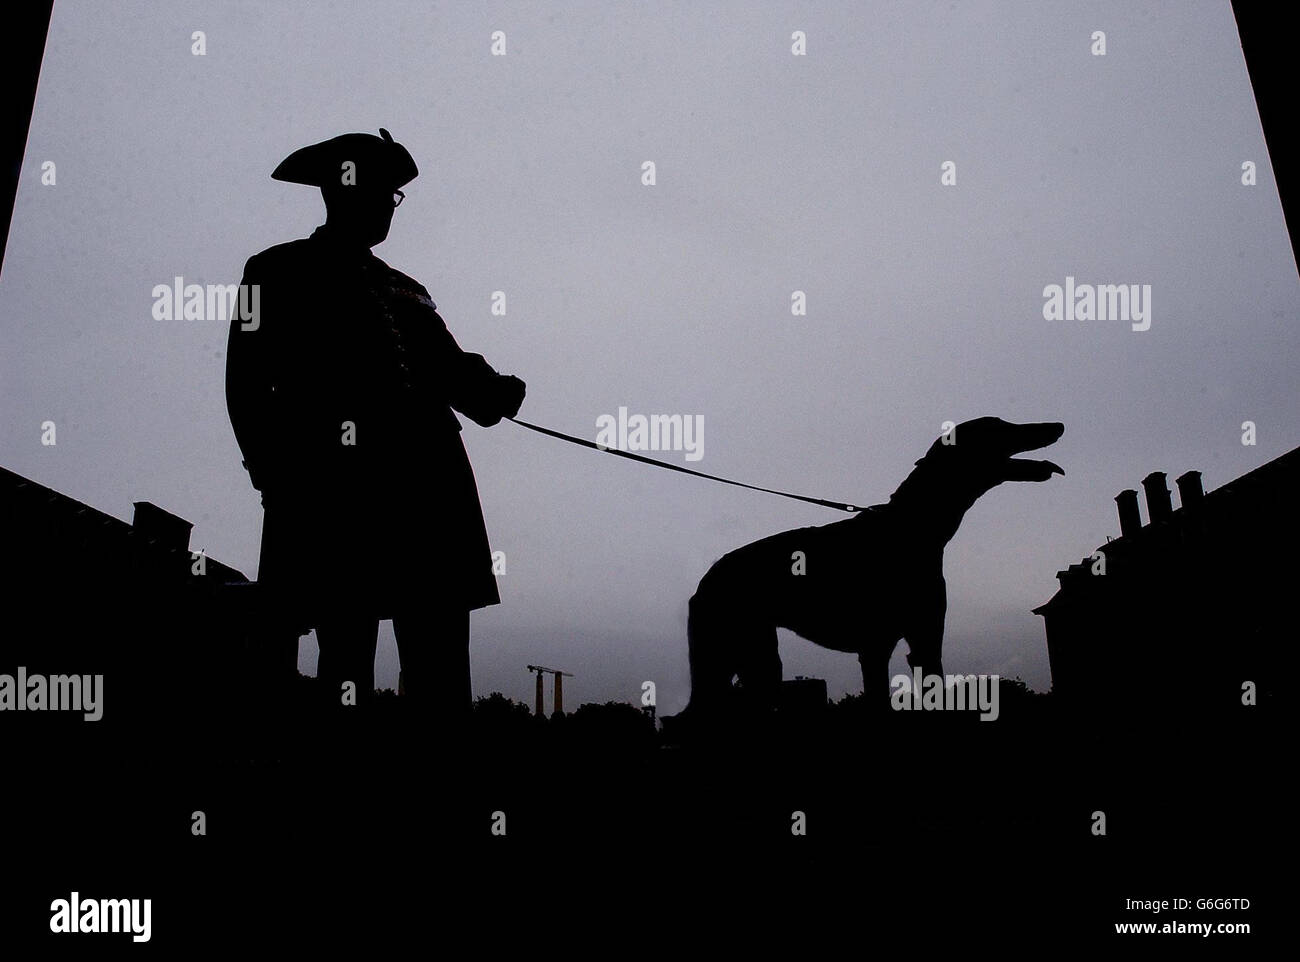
[1031,437]
[1022,469]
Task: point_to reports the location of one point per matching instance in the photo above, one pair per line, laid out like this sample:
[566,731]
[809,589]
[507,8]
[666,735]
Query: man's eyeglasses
[398,197]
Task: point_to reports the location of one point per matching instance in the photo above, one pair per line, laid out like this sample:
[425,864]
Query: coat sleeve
[470,384]
[250,367]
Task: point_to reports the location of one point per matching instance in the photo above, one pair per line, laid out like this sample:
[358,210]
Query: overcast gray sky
[775,173]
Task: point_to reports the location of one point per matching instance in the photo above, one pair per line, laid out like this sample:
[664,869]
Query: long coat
[340,390]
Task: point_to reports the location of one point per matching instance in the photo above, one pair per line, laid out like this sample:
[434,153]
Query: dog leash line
[837,505]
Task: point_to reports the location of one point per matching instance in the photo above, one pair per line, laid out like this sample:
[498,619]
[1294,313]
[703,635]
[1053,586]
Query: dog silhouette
[857,585]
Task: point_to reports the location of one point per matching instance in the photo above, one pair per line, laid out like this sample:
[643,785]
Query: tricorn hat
[375,157]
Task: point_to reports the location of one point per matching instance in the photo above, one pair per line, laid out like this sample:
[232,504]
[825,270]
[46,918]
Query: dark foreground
[918,827]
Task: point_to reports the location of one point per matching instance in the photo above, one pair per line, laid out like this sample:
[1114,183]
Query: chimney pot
[1190,491]
[1130,519]
[1159,507]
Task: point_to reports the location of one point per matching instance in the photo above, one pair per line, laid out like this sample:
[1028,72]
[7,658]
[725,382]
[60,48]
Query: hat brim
[373,157]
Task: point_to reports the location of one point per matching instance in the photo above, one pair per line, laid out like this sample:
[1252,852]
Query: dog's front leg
[926,645]
[927,658]
[925,634]
[925,652]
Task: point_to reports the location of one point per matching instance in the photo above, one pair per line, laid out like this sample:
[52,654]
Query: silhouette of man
[341,379]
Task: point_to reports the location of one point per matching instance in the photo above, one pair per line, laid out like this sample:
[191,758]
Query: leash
[837,505]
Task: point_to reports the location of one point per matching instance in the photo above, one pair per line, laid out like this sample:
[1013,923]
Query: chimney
[1159,507]
[161,526]
[1190,491]
[1130,521]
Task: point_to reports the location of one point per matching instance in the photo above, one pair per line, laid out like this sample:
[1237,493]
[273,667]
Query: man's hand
[512,395]
[494,396]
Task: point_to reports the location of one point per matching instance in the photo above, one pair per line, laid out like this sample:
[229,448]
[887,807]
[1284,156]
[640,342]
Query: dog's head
[980,454]
[972,458]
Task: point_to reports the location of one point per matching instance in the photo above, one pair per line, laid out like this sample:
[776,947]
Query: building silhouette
[1181,613]
[174,635]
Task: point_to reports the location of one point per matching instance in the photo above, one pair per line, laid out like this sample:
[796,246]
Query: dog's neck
[934,501]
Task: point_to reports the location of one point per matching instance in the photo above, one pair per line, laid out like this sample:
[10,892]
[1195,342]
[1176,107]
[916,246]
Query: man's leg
[347,653]
[434,649]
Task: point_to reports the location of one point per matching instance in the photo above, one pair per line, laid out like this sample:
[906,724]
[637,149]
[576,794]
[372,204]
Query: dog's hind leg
[759,664]
[712,660]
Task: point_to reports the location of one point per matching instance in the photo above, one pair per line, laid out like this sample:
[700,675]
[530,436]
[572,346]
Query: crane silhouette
[559,686]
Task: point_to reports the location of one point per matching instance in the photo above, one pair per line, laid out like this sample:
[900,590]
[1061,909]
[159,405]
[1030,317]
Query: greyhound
[857,585]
